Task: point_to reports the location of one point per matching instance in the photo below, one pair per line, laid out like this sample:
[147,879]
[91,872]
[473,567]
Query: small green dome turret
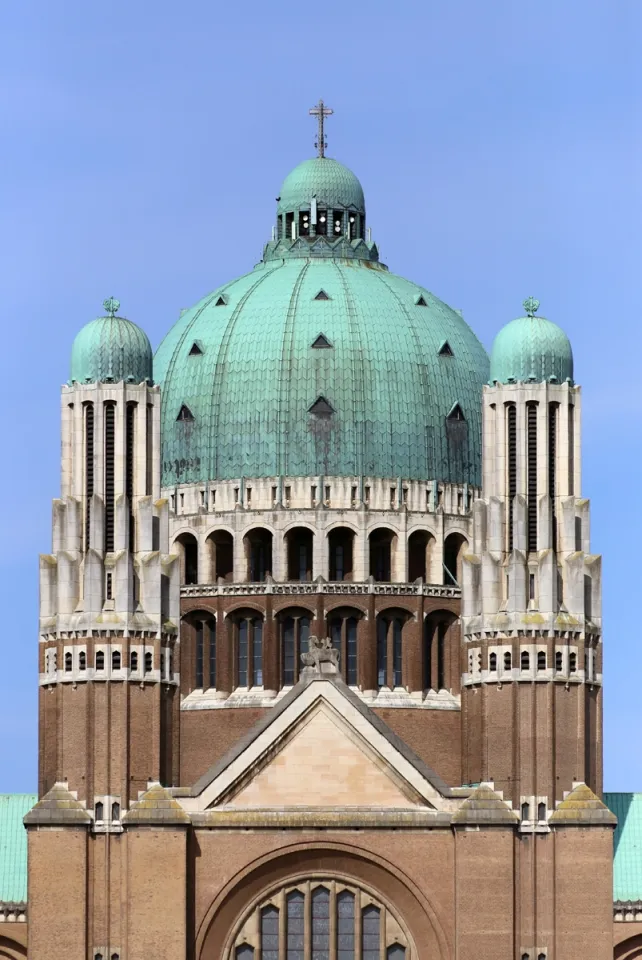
[327,181]
[531,348]
[111,349]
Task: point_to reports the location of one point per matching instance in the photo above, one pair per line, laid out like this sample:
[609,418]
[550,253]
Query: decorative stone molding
[627,911]
[320,586]
[13,912]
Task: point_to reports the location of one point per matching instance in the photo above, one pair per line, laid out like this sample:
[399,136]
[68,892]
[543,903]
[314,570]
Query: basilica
[320,637]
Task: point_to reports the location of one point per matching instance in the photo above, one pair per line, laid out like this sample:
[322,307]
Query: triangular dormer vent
[221,301]
[322,295]
[321,343]
[185,414]
[321,408]
[456,413]
[421,301]
[446,350]
[196,350]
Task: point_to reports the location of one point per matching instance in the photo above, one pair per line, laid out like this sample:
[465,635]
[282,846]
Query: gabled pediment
[320,747]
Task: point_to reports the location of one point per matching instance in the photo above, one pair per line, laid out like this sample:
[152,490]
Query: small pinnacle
[531,306]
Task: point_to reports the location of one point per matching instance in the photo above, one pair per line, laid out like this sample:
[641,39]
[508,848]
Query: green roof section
[111,349]
[13,846]
[251,389]
[627,845]
[327,181]
[531,349]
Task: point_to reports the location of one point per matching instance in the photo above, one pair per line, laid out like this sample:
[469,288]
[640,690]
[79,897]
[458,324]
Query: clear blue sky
[143,145]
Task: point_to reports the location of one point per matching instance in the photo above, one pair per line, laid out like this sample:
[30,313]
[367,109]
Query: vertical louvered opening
[571,449]
[149,449]
[531,439]
[552,478]
[110,427]
[511,427]
[89,468]
[130,434]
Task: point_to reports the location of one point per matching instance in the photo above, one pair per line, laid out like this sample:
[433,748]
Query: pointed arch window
[82,661]
[68,663]
[115,660]
[370,933]
[270,933]
[295,905]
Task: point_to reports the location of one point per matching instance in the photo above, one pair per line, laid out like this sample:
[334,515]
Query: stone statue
[321,657]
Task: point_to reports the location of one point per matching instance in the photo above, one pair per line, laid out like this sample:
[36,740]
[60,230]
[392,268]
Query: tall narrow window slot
[130,428]
[552,478]
[531,438]
[198,682]
[571,449]
[110,440]
[511,428]
[89,468]
[212,630]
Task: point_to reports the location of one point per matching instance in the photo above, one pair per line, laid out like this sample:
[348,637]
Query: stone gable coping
[332,818]
[158,807]
[581,807]
[60,806]
[486,806]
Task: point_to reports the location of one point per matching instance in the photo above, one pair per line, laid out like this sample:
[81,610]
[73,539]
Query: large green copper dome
[111,349]
[531,348]
[320,361]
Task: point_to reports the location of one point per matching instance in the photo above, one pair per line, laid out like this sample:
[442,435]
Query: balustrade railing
[297,587]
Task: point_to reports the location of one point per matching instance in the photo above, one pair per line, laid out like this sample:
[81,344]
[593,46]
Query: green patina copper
[531,348]
[111,349]
[13,846]
[627,845]
[327,181]
[250,390]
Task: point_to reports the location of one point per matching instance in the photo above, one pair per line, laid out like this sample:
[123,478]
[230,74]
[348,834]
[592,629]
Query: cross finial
[531,306]
[111,305]
[321,112]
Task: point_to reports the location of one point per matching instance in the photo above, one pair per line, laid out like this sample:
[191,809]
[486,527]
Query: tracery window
[295,633]
[249,651]
[323,919]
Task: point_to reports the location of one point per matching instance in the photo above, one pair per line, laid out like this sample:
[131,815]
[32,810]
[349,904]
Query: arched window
[381,544]
[249,651]
[68,663]
[258,548]
[211,626]
[572,663]
[221,550]
[99,811]
[454,547]
[508,661]
[198,637]
[82,661]
[298,544]
[245,952]
[115,810]
[541,660]
[492,662]
[559,660]
[525,660]
[100,660]
[340,548]
[321,923]
[188,550]
[269,933]
[295,905]
[397,628]
[541,811]
[149,661]
[343,632]
[420,545]
[370,933]
[115,660]
[345,926]
[133,661]
[436,632]
[321,919]
[295,634]
[525,811]
[382,651]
